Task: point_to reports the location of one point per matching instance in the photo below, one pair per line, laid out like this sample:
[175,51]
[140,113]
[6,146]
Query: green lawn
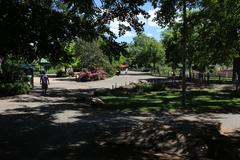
[198,101]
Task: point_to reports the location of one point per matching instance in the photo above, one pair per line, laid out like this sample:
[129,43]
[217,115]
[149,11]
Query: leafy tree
[221,30]
[113,50]
[166,15]
[42,28]
[172,44]
[90,56]
[146,51]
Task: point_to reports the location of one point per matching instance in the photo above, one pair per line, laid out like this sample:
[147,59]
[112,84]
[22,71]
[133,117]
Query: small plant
[9,89]
[146,87]
[60,73]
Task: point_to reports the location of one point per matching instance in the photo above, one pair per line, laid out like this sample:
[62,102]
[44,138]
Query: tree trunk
[154,67]
[1,61]
[65,69]
[184,38]
[236,62]
[190,70]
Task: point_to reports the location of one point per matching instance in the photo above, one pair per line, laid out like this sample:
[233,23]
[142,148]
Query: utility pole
[184,41]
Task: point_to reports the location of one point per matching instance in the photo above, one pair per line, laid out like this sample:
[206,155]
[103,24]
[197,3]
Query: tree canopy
[146,51]
[34,29]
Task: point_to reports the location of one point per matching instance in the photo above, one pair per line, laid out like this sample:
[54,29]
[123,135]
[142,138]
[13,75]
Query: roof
[123,65]
[43,61]
[27,66]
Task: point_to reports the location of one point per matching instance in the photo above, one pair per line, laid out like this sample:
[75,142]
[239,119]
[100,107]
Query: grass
[197,101]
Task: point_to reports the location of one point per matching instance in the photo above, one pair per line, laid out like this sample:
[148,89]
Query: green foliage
[111,49]
[165,70]
[172,45]
[90,56]
[147,88]
[11,70]
[61,73]
[43,28]
[9,89]
[146,52]
[199,101]
[122,60]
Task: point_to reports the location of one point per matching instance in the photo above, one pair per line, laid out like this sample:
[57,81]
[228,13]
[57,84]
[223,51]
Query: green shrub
[60,73]
[109,69]
[9,89]
[142,88]
[146,87]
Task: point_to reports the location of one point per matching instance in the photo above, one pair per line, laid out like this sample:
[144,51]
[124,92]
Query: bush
[60,73]
[145,87]
[9,89]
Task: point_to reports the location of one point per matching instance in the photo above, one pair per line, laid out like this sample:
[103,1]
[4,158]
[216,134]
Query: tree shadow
[34,134]
[73,129]
[198,101]
[138,74]
[65,79]
[96,134]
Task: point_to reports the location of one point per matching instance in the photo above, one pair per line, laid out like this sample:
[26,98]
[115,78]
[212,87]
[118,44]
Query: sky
[151,28]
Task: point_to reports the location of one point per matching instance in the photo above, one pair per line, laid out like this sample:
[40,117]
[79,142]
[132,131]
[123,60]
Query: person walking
[44,81]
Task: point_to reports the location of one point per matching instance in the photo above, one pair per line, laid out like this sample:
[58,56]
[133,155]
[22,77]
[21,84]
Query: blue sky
[151,28]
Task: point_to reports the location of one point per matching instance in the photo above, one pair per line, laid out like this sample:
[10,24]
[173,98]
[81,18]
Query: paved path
[61,126]
[70,83]
[229,122]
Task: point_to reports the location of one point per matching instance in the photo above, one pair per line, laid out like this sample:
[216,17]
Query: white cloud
[152,29]
[149,22]
[114,27]
[149,34]
[130,34]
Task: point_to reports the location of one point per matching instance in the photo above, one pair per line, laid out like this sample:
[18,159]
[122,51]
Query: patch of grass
[199,101]
[153,101]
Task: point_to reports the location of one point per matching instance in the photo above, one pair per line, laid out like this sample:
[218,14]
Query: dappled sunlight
[67,116]
[197,101]
[127,126]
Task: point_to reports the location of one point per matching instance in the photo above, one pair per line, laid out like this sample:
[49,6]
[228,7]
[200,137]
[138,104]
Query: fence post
[219,77]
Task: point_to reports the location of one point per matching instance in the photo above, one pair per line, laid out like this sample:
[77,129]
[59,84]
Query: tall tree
[166,15]
[146,51]
[34,28]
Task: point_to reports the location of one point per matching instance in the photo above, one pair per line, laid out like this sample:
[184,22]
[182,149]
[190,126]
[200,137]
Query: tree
[90,56]
[112,49]
[166,15]
[146,51]
[222,22]
[43,28]
[40,27]
[172,44]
